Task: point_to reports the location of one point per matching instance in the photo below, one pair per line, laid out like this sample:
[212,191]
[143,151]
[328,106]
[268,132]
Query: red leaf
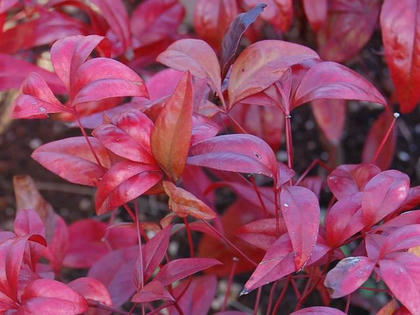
[373,141]
[115,270]
[153,291]
[116,15]
[331,117]
[28,222]
[197,298]
[128,136]
[68,54]
[50,26]
[154,20]
[236,153]
[348,28]
[163,83]
[234,33]
[123,182]
[91,289]
[344,219]
[330,80]
[383,194]
[37,100]
[412,200]
[249,77]
[348,179]
[262,233]
[154,251]
[13,73]
[86,246]
[316,12]
[401,283]
[318,310]
[50,297]
[184,203]
[171,136]
[400,34]
[301,213]
[348,275]
[72,159]
[181,268]
[6,5]
[212,18]
[196,56]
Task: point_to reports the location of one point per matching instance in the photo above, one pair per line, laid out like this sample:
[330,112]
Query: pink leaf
[400,25]
[235,153]
[154,251]
[318,310]
[196,56]
[374,139]
[128,136]
[72,159]
[153,291]
[91,289]
[28,222]
[274,57]
[330,80]
[344,219]
[262,233]
[279,13]
[401,239]
[87,245]
[348,275]
[50,297]
[383,194]
[123,182]
[115,270]
[116,15]
[401,284]
[348,28]
[68,54]
[316,12]
[301,213]
[331,117]
[348,179]
[183,267]
[37,99]
[154,20]
[14,71]
[198,296]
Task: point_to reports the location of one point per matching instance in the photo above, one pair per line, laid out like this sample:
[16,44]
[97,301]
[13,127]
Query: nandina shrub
[215,118]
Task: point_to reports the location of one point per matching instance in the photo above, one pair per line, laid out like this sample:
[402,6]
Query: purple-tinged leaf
[330,80]
[401,239]
[235,153]
[28,222]
[262,233]
[153,291]
[318,310]
[330,116]
[348,179]
[91,289]
[383,194]
[301,214]
[348,275]
[154,251]
[183,267]
[234,33]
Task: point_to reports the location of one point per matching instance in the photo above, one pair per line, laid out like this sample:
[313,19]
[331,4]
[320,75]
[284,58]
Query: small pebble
[35,143]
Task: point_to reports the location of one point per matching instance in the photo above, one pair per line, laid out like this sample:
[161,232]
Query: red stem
[271,296]
[257,301]
[281,297]
[257,190]
[289,141]
[276,201]
[230,281]
[190,240]
[348,304]
[385,139]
